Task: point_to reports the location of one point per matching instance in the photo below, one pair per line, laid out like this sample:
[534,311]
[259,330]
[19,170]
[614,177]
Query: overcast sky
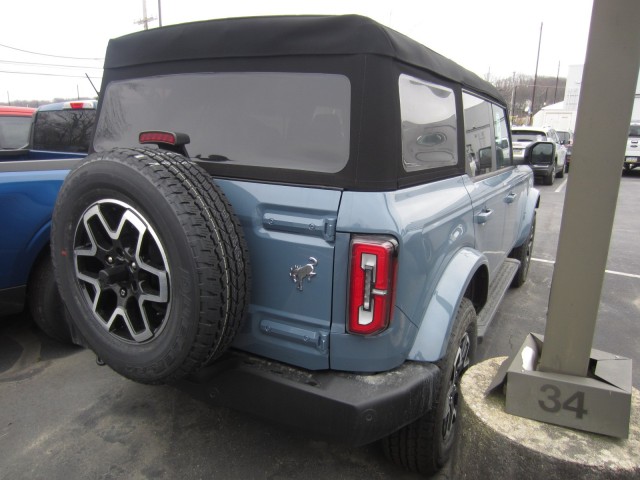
[495,37]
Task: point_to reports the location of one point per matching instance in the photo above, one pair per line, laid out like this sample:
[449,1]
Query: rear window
[64,130]
[634,131]
[14,132]
[298,121]
[528,136]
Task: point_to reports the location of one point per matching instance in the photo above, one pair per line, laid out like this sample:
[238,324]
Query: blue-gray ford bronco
[309,218]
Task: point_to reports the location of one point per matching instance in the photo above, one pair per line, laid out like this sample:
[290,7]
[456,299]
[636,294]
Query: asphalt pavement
[64,417]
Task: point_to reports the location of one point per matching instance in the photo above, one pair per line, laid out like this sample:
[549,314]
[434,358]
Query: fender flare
[533,202]
[431,340]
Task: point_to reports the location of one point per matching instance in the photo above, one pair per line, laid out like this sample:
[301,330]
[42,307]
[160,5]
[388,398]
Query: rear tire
[45,304]
[425,445]
[523,254]
[151,262]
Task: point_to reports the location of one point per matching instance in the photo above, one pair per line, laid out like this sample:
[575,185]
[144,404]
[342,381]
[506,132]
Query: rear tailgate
[288,230]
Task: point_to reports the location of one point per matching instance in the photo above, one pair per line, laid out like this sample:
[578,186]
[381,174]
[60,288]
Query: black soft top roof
[284,36]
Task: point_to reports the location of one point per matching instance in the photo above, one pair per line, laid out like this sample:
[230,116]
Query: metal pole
[513,92]
[535,78]
[159,13]
[602,126]
[555,94]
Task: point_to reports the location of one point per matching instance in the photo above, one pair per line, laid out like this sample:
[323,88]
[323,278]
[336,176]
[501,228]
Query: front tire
[150,261]
[425,445]
[550,178]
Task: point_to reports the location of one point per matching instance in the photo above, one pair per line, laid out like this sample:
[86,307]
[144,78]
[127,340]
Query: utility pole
[144,20]
[513,92]
[159,13]
[557,78]
[535,78]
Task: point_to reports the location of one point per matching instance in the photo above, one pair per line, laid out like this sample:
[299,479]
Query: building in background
[562,115]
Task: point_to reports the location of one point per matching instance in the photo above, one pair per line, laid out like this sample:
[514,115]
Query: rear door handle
[511,197]
[483,216]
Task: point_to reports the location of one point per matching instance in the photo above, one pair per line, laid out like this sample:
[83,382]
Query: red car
[15,124]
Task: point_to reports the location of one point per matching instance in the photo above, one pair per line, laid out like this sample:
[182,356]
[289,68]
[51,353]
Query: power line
[49,55]
[48,74]
[49,64]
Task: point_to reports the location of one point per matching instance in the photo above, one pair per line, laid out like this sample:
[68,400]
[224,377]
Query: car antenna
[94,87]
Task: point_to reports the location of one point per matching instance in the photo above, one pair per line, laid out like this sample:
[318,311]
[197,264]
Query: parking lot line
[561,187]
[612,272]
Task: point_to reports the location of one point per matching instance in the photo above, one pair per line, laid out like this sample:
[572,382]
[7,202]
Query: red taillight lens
[79,105]
[373,266]
[157,137]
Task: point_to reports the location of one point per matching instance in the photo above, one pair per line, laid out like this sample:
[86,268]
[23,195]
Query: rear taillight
[164,138]
[371,289]
[80,105]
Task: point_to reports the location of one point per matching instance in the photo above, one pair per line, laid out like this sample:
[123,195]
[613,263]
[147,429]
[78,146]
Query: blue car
[29,182]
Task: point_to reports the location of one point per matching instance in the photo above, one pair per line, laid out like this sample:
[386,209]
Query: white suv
[632,153]
[523,136]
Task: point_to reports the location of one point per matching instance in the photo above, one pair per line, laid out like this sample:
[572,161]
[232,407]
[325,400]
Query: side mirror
[540,153]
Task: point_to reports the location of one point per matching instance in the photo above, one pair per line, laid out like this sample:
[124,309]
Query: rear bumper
[350,408]
[542,170]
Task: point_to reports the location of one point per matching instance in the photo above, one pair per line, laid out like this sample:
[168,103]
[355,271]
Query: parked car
[15,125]
[566,139]
[524,136]
[29,182]
[632,153]
[309,218]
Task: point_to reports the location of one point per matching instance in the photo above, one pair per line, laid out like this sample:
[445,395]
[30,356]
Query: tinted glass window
[63,130]
[478,134]
[564,136]
[280,120]
[634,131]
[14,132]
[529,136]
[503,146]
[429,131]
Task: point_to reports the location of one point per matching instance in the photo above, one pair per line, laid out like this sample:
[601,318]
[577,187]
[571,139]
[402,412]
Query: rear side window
[487,147]
[429,130]
[64,130]
[294,121]
[14,132]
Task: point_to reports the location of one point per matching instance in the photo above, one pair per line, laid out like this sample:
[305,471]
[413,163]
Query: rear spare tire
[150,261]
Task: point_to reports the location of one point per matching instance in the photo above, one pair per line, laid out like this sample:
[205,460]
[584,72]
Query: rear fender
[435,328]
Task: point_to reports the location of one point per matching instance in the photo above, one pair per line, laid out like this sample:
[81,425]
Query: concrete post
[604,113]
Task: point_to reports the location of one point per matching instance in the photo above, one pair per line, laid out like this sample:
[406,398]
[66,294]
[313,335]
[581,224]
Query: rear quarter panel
[431,223]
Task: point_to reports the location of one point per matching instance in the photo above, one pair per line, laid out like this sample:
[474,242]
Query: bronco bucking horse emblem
[298,273]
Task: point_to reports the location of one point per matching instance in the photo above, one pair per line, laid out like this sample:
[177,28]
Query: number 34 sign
[599,403]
